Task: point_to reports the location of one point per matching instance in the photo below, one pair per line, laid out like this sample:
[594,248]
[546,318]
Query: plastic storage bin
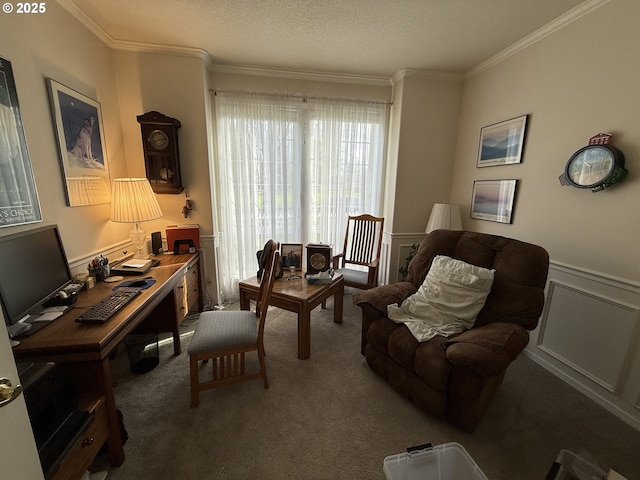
[449,461]
[569,466]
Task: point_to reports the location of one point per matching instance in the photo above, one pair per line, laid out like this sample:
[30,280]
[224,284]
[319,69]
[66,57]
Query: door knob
[8,393]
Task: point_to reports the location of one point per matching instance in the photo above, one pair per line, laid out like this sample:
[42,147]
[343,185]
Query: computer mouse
[138,283]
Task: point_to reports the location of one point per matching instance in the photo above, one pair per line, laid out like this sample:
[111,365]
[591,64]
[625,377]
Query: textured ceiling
[364,37]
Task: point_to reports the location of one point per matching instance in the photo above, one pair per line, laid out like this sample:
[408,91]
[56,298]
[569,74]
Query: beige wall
[127,84]
[55,45]
[423,136]
[575,83]
[175,86]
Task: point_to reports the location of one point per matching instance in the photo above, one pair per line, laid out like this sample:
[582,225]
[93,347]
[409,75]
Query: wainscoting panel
[588,336]
[577,324]
[385,255]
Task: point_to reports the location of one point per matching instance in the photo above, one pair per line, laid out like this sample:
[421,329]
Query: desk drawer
[86,447]
[188,292]
[193,286]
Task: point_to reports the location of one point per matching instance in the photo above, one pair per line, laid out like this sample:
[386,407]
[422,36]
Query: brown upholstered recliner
[456,378]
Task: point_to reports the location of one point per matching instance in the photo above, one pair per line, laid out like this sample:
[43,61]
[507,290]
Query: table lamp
[444,216]
[134,202]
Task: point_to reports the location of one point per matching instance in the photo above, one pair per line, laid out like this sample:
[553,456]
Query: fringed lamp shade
[134,202]
[444,216]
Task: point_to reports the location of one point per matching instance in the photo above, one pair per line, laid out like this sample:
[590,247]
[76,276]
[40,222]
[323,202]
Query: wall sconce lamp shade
[133,201]
[444,216]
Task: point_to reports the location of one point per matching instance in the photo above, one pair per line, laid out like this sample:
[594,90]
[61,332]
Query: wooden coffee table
[299,297]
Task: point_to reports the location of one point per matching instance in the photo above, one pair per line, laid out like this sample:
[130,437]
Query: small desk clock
[161,151]
[596,166]
[318,257]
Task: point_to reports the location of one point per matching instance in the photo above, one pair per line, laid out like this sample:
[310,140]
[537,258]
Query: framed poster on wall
[78,122]
[492,200]
[18,196]
[502,143]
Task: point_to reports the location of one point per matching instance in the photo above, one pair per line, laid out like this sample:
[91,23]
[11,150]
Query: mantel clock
[318,258]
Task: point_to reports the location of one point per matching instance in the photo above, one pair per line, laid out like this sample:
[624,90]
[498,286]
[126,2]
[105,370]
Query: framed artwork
[81,146]
[501,143]
[19,202]
[493,200]
[291,255]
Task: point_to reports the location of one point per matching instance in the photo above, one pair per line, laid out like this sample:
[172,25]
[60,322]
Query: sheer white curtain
[345,156]
[292,169]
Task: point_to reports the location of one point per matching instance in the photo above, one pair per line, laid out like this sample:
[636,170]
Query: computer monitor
[33,267]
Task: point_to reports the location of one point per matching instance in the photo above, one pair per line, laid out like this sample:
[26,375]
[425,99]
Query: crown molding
[302,75]
[560,22]
[124,45]
[85,20]
[427,75]
[129,46]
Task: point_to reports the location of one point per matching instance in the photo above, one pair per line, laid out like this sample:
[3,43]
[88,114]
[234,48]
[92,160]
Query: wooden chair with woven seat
[362,244]
[224,337]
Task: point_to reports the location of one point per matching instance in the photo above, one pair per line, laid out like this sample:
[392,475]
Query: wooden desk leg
[114,440]
[338,299]
[304,332]
[244,300]
[175,324]
[177,346]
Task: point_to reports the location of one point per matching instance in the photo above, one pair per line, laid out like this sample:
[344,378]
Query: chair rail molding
[589,336]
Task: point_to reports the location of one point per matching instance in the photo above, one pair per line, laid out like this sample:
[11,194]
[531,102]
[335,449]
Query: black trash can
[142,350]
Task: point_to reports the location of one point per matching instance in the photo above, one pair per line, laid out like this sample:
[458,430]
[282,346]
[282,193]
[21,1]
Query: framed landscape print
[501,143]
[79,130]
[493,200]
[18,196]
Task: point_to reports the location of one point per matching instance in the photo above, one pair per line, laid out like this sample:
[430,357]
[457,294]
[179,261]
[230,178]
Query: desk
[83,349]
[299,297]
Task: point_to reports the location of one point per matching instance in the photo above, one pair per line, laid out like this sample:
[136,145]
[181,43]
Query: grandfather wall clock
[161,151]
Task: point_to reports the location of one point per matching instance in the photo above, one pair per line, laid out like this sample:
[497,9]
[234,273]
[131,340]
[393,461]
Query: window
[292,169]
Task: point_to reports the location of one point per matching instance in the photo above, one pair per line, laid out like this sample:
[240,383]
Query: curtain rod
[304,98]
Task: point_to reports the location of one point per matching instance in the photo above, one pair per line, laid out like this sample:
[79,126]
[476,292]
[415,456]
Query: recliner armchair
[456,378]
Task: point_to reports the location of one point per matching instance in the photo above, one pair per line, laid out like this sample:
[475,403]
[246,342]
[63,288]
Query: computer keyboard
[103,311]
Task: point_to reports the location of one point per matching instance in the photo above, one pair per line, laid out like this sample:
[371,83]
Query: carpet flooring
[331,417]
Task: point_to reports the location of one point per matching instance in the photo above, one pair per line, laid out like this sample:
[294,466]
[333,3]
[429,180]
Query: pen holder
[99,273]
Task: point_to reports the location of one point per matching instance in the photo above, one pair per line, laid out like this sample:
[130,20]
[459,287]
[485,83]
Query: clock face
[158,140]
[318,261]
[590,166]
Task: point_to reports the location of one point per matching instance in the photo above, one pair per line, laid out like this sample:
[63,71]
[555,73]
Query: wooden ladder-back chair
[362,244]
[224,337]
